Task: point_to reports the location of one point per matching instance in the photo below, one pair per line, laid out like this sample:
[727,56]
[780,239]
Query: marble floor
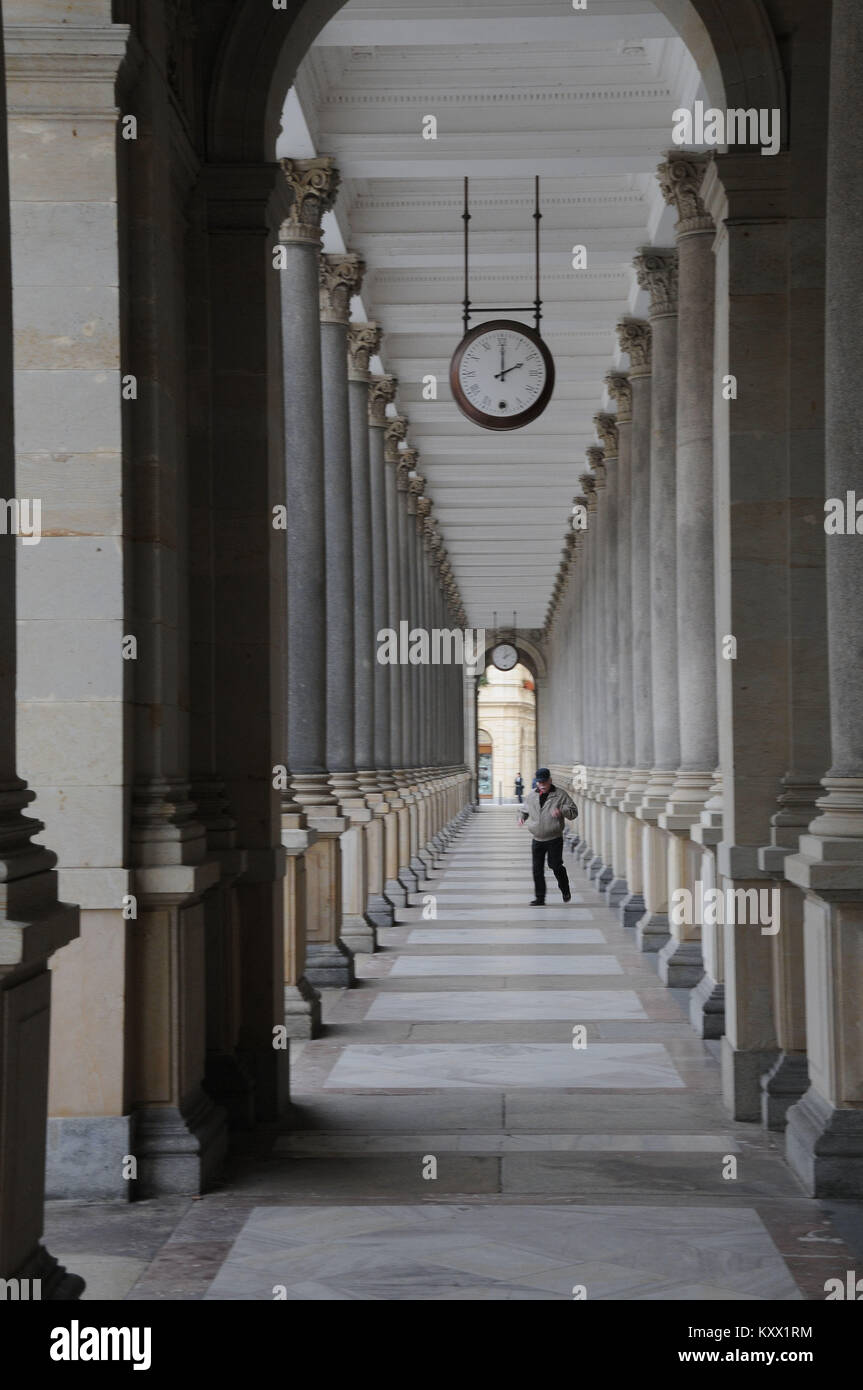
[510,1105]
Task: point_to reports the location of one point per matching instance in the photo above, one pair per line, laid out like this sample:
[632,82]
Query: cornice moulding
[492,95]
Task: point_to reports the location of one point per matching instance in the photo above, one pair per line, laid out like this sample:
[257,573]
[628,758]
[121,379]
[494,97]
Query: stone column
[615,888]
[595,865]
[404,523]
[363,342]
[634,337]
[657,272]
[381,392]
[579,674]
[600,869]
[314,183]
[825,1128]
[620,390]
[33,924]
[588,851]
[418,674]
[394,891]
[358,867]
[680,179]
[340,279]
[311,923]
[424,854]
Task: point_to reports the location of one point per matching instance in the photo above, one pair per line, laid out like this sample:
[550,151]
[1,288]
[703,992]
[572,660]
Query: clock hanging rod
[536,307]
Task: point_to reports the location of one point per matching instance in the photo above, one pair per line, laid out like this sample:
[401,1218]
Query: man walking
[545,811]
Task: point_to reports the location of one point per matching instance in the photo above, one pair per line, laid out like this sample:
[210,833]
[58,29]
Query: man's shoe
[538,902]
[567,896]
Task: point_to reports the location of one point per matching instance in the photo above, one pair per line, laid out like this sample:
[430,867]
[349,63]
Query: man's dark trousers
[554,850]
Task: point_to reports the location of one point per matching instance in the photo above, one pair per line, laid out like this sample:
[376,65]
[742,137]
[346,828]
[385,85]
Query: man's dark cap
[543,774]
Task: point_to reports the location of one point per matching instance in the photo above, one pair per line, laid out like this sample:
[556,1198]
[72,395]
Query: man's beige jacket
[543,824]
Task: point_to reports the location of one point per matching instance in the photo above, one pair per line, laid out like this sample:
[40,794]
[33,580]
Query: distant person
[519,788]
[545,810]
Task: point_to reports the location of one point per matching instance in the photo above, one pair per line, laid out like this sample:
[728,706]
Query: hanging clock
[502,375]
[504,656]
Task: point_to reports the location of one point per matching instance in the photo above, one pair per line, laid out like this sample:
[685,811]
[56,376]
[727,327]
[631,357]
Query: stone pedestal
[302,1001]
[329,961]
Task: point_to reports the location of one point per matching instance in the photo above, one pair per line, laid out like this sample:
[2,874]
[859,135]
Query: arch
[735,48]
[731,41]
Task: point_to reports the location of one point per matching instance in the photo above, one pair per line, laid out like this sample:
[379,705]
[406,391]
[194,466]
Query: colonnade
[710,610]
[376,748]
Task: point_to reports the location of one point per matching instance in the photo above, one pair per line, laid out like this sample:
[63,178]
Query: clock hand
[499,376]
[502,358]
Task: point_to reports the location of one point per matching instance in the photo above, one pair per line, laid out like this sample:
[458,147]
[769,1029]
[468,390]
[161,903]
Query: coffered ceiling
[585,100]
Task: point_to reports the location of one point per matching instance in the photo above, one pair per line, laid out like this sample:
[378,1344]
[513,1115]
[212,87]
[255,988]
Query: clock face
[504,656]
[502,375]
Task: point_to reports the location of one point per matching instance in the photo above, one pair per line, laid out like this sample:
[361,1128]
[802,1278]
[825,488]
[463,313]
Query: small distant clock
[502,375]
[504,656]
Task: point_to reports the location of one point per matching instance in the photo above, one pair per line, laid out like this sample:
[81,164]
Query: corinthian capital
[596,460]
[416,485]
[364,340]
[396,431]
[634,336]
[588,487]
[657,272]
[606,427]
[313,184]
[620,390]
[680,179]
[382,390]
[341,275]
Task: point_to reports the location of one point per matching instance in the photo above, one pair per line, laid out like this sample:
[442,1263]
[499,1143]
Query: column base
[632,910]
[785,1084]
[652,932]
[594,867]
[57,1285]
[707,1008]
[419,869]
[604,878]
[380,912]
[179,1149]
[681,964]
[408,880]
[395,894]
[358,934]
[615,891]
[824,1146]
[302,1010]
[741,1079]
[329,965]
[84,1157]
